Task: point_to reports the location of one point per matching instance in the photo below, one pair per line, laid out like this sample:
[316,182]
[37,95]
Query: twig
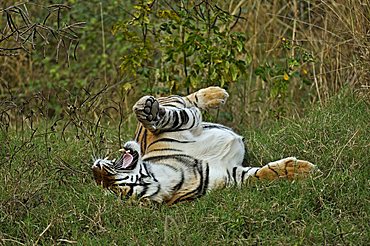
[42,233]
[21,31]
[340,153]
[103,41]
[295,11]
[12,240]
[66,241]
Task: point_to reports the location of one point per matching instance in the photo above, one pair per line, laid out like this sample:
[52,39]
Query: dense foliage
[276,58]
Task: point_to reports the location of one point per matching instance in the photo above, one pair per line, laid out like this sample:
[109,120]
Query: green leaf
[127,86]
[227,65]
[233,72]
[193,81]
[240,46]
[222,81]
[293,63]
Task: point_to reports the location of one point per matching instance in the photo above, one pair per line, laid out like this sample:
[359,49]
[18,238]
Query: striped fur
[175,156]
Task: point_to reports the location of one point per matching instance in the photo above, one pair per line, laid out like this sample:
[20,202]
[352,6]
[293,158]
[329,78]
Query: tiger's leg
[207,98]
[158,118]
[176,112]
[289,168]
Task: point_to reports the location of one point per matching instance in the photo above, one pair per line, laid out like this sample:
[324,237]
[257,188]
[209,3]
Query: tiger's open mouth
[126,162]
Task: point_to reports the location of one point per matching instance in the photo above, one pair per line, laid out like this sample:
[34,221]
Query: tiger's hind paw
[289,168]
[148,112]
[208,98]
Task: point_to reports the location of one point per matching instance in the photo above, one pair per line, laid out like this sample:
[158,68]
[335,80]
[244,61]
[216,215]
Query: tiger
[175,156]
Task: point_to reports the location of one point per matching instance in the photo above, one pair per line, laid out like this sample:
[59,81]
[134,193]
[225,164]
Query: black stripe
[161,157]
[131,191]
[244,172]
[142,141]
[121,179]
[234,174]
[148,173]
[109,171]
[194,119]
[188,100]
[211,126]
[182,158]
[168,119]
[285,169]
[146,169]
[156,192]
[191,194]
[154,178]
[178,130]
[135,156]
[143,192]
[171,99]
[138,132]
[175,123]
[172,105]
[184,117]
[203,183]
[200,188]
[164,149]
[255,173]
[228,175]
[179,184]
[206,180]
[142,174]
[196,100]
[268,165]
[171,140]
[157,160]
[110,174]
[242,178]
[140,169]
[145,135]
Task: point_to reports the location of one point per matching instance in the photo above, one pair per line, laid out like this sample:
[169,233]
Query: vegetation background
[298,77]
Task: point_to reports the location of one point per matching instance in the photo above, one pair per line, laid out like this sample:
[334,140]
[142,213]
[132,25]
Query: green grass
[47,194]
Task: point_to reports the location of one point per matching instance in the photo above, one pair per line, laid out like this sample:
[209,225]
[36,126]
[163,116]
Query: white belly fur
[222,148]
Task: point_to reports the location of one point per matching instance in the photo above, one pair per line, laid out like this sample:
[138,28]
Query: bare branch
[22,33]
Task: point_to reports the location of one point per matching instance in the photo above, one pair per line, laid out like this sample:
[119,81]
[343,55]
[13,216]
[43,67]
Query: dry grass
[336,33]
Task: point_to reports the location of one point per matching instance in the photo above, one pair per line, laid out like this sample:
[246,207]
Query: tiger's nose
[96,166]
[97,172]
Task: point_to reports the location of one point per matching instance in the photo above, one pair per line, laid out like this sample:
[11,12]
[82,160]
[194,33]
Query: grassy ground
[47,195]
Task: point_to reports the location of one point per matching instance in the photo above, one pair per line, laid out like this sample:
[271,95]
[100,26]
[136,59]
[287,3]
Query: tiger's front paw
[148,111]
[211,97]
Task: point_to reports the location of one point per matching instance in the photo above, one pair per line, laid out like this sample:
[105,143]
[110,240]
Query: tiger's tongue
[127,160]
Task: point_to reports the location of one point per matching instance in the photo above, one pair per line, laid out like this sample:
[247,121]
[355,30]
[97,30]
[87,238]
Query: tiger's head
[116,174]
